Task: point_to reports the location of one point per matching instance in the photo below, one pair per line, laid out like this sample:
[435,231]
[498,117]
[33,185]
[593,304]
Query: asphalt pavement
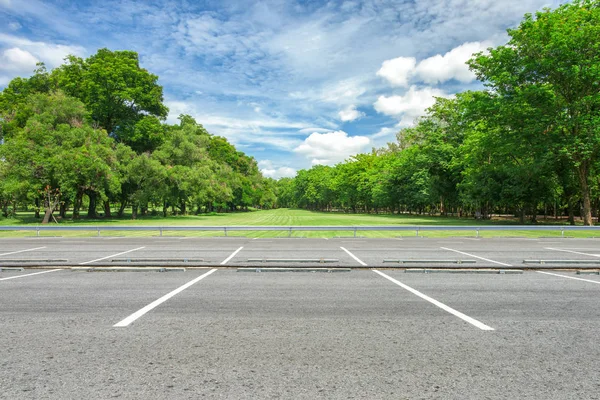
[216,331]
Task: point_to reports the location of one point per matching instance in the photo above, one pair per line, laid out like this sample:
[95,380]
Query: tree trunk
[107,213]
[122,208]
[37,208]
[63,210]
[92,208]
[571,213]
[534,214]
[165,209]
[47,216]
[134,212]
[522,216]
[77,205]
[585,193]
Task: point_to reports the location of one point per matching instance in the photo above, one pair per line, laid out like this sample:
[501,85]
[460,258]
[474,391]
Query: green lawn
[282,217]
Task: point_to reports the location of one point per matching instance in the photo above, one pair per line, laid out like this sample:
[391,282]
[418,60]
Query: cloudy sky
[292,83]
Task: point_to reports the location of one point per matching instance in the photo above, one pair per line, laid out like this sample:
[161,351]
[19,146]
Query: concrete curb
[464,271]
[294,269]
[126,269]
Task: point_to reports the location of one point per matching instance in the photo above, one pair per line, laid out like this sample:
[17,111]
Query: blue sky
[291,83]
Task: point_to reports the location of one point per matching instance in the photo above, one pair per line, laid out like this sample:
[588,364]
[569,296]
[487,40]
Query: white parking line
[444,307]
[574,252]
[569,277]
[481,258]
[22,251]
[353,256]
[114,255]
[231,256]
[35,273]
[157,302]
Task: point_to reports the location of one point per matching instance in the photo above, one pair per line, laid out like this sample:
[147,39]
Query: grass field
[283,217]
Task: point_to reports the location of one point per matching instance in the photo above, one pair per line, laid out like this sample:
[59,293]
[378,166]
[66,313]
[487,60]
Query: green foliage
[122,97]
[55,149]
[551,67]
[532,140]
[54,126]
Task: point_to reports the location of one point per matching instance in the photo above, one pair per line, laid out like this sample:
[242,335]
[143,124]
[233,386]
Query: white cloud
[350,113]
[15,59]
[251,123]
[332,147]
[49,53]
[310,130]
[398,70]
[44,14]
[270,171]
[452,65]
[436,69]
[253,129]
[14,26]
[409,106]
[341,93]
[383,132]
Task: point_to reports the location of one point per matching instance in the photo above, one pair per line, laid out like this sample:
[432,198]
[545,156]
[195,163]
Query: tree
[122,98]
[57,151]
[14,110]
[556,51]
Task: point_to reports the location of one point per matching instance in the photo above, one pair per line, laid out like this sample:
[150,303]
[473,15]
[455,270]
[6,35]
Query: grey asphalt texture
[373,252]
[301,335]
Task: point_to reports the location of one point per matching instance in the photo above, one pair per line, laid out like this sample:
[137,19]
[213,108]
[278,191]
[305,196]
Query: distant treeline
[91,133]
[528,144]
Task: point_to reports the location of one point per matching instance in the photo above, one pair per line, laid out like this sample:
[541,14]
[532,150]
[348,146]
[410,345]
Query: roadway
[371,332]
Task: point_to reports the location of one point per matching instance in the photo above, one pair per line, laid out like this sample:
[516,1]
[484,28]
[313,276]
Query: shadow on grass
[28,218]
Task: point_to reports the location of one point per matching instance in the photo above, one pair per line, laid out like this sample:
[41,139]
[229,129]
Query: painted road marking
[569,277]
[22,251]
[231,256]
[157,302]
[353,256]
[114,255]
[35,273]
[574,252]
[481,258]
[444,307]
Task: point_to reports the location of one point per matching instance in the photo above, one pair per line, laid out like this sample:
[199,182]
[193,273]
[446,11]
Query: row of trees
[529,142]
[91,132]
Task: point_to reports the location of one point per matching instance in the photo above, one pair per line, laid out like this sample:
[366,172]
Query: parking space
[102,251]
[372,332]
[519,253]
[342,252]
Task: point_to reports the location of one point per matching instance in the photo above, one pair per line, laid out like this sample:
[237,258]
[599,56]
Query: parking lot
[481,324]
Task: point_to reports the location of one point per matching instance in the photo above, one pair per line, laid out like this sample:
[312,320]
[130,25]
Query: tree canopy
[92,132]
